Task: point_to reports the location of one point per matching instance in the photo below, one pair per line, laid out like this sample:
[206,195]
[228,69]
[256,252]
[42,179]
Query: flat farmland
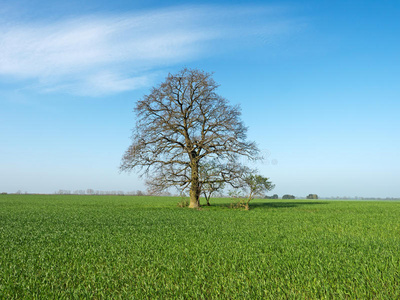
[131,247]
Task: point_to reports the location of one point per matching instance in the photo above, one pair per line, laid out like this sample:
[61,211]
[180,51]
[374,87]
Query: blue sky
[318,83]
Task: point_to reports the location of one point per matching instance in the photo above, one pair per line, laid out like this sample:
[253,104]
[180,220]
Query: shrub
[183,203]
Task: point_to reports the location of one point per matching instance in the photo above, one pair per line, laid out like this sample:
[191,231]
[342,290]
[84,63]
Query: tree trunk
[247,205]
[194,199]
[195,187]
[207,197]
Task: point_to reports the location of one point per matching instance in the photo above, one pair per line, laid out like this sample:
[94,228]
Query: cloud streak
[106,54]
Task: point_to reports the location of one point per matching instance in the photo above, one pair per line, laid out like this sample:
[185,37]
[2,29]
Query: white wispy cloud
[104,54]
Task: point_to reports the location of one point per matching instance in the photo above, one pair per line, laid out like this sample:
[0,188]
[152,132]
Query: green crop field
[127,247]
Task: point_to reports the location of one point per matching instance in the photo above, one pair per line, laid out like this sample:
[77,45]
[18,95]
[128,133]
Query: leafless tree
[211,179]
[180,124]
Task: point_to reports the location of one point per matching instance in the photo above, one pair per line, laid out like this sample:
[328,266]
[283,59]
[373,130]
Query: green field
[127,247]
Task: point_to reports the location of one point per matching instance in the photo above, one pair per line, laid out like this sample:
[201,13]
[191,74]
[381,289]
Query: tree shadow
[283,204]
[277,204]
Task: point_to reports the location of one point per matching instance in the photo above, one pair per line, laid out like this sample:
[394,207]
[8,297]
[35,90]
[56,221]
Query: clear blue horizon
[318,83]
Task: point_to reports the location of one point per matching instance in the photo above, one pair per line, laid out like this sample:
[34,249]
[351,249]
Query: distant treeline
[141,193]
[97,192]
[275,196]
[86,192]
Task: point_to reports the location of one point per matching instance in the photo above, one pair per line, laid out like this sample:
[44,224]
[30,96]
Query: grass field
[127,247]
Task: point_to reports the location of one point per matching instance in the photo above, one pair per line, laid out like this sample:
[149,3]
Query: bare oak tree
[180,124]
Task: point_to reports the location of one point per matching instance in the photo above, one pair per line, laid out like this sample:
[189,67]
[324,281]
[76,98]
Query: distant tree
[288,196]
[180,124]
[78,192]
[255,185]
[312,196]
[274,196]
[63,192]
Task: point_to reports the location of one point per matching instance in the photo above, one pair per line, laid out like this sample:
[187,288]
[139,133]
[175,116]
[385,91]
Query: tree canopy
[255,185]
[184,124]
